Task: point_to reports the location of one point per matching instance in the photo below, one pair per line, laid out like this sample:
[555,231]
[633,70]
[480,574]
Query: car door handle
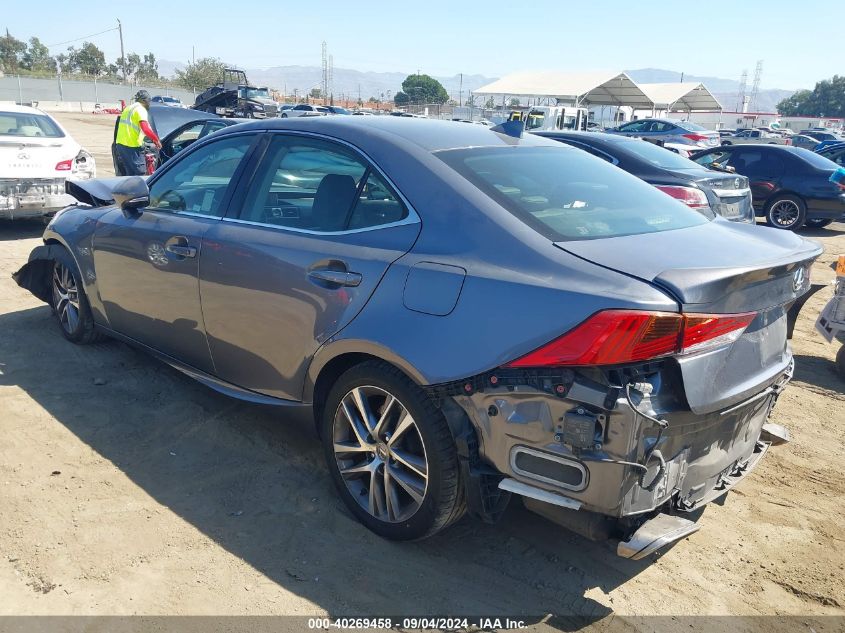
[182,251]
[336,277]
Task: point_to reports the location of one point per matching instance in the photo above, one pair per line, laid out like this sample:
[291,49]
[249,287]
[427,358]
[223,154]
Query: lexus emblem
[798,279]
[737,183]
[23,155]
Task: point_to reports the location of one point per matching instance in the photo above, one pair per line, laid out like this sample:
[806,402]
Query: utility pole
[122,55]
[325,82]
[461,91]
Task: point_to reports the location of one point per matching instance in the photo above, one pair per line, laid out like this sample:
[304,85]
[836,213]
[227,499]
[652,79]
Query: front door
[147,263]
[309,243]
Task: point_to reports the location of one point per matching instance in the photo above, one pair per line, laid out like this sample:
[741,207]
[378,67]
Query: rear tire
[817,224]
[391,454]
[786,212]
[70,303]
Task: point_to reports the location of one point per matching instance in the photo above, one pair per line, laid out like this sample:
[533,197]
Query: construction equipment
[235,97]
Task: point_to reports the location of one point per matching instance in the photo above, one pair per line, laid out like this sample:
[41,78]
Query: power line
[85,37]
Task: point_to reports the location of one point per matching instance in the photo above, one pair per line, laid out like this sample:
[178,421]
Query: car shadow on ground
[819,372]
[20,229]
[257,485]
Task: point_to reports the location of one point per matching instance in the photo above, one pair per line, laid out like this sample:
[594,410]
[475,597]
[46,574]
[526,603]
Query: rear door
[297,258]
[762,168]
[147,264]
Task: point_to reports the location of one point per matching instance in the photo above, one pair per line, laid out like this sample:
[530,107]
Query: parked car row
[465,313]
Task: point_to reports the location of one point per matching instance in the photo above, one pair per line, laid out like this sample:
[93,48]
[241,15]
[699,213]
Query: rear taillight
[697,137]
[613,337]
[65,165]
[788,141]
[690,196]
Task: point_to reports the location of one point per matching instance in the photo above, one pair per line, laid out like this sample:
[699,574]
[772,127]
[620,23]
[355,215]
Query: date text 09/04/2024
[443,624]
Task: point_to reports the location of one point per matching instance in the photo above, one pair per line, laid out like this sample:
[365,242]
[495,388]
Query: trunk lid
[27,157]
[722,268]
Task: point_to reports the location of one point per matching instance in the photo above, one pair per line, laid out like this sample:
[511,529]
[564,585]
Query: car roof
[598,137]
[20,109]
[428,134]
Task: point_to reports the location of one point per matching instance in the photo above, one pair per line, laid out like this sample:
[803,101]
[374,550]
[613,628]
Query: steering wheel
[174,200]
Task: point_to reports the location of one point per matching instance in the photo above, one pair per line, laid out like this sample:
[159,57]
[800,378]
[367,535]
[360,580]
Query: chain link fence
[26,90]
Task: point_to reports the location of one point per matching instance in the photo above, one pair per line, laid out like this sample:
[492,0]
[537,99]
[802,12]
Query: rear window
[817,161]
[25,124]
[568,195]
[657,156]
[689,125]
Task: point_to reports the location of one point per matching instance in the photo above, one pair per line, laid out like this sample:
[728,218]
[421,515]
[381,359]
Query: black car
[698,187]
[790,185]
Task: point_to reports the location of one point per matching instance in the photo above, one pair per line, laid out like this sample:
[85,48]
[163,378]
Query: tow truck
[234,96]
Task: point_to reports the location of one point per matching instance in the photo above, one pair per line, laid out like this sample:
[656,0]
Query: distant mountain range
[352,83]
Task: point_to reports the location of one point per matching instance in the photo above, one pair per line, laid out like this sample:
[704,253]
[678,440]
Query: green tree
[514,102]
[90,60]
[37,57]
[316,93]
[131,65]
[826,99]
[147,68]
[63,63]
[202,74]
[424,89]
[490,104]
[400,98]
[11,53]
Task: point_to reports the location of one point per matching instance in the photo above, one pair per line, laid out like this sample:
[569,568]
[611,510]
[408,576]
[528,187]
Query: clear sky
[492,37]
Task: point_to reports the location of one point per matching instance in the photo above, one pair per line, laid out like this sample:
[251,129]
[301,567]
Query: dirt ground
[128,488]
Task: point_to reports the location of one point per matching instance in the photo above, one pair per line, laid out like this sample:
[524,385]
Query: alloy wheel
[65,297]
[380,454]
[785,213]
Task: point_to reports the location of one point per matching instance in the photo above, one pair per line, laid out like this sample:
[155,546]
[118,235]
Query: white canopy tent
[582,89]
[687,96]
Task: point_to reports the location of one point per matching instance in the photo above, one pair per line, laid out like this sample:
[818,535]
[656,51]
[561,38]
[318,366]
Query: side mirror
[132,194]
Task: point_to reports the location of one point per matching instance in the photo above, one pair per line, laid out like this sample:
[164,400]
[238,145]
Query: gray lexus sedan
[466,313]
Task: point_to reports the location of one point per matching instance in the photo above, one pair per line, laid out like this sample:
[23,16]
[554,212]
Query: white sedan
[305,109]
[37,156]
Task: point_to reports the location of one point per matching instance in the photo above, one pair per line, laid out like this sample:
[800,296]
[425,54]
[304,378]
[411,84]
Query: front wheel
[284,115]
[390,453]
[818,223]
[786,212]
[69,302]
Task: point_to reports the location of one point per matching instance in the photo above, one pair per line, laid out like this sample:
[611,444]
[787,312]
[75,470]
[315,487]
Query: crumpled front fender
[35,274]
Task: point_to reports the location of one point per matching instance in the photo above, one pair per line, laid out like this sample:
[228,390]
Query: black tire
[284,115]
[726,143]
[818,223]
[70,303]
[840,362]
[443,497]
[786,212]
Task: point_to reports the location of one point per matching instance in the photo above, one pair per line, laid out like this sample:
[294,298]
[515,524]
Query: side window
[212,126]
[716,156]
[376,205]
[660,126]
[198,182]
[593,151]
[186,137]
[746,163]
[302,107]
[316,185]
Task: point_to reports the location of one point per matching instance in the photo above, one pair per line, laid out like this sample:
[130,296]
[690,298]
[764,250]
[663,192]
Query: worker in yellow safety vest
[132,126]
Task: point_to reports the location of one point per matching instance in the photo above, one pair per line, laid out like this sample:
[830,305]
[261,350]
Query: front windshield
[566,194]
[253,93]
[25,124]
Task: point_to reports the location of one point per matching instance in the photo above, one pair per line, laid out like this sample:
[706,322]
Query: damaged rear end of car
[627,423]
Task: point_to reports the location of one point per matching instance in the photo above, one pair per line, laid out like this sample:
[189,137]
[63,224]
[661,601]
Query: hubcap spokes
[65,297]
[380,454]
[785,213]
